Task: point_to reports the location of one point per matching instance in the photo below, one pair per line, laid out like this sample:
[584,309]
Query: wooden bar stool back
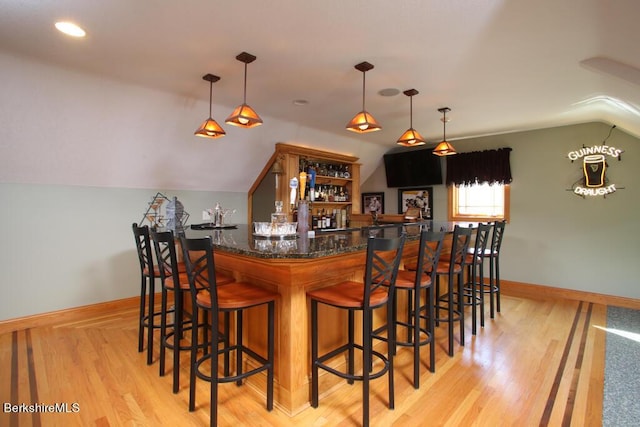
[233,298]
[382,262]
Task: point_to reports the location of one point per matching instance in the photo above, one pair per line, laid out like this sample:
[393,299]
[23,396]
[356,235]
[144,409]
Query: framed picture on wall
[416,202]
[373,202]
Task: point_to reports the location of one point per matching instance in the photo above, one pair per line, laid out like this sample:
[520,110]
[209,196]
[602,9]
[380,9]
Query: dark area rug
[621,406]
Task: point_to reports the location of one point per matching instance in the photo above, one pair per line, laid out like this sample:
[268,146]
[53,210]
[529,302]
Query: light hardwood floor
[539,362]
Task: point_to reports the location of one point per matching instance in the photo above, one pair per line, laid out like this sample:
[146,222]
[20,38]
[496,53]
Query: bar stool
[382,262]
[213,300]
[166,256]
[493,253]
[416,283]
[148,275]
[453,267]
[474,287]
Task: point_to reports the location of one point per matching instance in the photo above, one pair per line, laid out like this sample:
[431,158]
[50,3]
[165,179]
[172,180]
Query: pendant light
[411,137]
[210,128]
[444,148]
[363,122]
[244,116]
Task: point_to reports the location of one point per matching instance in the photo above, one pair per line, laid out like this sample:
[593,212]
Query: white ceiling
[501,66]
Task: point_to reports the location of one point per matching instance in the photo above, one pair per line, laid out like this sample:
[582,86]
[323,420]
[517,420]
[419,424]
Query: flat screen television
[413,168]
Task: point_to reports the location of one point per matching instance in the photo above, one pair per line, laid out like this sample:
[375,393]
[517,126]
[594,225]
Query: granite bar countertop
[240,240]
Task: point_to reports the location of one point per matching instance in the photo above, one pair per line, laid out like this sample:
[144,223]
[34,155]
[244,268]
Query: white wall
[80,158]
[63,127]
[556,238]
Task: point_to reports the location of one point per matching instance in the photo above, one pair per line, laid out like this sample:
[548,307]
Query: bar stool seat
[183,282]
[237,296]
[406,279]
[349,295]
[468,259]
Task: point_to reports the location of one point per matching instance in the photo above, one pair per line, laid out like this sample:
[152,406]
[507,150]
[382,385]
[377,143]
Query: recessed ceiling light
[300,102]
[391,91]
[70,29]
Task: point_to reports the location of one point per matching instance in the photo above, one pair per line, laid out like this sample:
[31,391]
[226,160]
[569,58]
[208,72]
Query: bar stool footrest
[375,355]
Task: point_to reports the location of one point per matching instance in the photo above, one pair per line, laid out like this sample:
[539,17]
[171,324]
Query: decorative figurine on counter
[218,216]
[175,214]
[157,219]
[154,215]
[278,217]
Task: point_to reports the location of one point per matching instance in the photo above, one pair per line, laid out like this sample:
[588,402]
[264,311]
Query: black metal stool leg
[143,310]
[314,353]
[270,351]
[150,322]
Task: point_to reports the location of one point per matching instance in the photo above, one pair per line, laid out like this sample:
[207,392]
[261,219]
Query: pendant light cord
[363,88]
[444,126]
[245,84]
[210,97]
[411,112]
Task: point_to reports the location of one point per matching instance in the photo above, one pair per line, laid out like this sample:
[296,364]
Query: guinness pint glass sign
[594,166]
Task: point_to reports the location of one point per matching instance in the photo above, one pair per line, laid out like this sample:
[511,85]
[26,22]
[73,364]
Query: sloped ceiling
[501,66]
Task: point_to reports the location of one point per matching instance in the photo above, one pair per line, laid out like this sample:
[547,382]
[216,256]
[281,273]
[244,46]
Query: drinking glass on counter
[270,229]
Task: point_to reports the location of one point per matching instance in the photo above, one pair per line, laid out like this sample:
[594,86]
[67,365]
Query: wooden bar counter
[291,267]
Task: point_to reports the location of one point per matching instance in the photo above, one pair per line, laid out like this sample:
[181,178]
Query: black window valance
[478,167]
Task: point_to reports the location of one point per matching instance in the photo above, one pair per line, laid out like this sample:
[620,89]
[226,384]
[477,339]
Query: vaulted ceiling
[501,66]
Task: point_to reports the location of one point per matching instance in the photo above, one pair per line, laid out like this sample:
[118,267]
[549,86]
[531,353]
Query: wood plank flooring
[539,362]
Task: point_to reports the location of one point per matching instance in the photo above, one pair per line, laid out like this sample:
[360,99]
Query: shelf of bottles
[328,189]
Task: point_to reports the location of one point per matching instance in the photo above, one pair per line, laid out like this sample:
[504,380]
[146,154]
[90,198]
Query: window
[479,202]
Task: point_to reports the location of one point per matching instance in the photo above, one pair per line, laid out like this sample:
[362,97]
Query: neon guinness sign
[594,181]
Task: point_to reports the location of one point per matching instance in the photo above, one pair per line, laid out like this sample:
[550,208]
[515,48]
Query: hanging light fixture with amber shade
[210,128]
[244,116]
[411,137]
[363,122]
[444,148]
